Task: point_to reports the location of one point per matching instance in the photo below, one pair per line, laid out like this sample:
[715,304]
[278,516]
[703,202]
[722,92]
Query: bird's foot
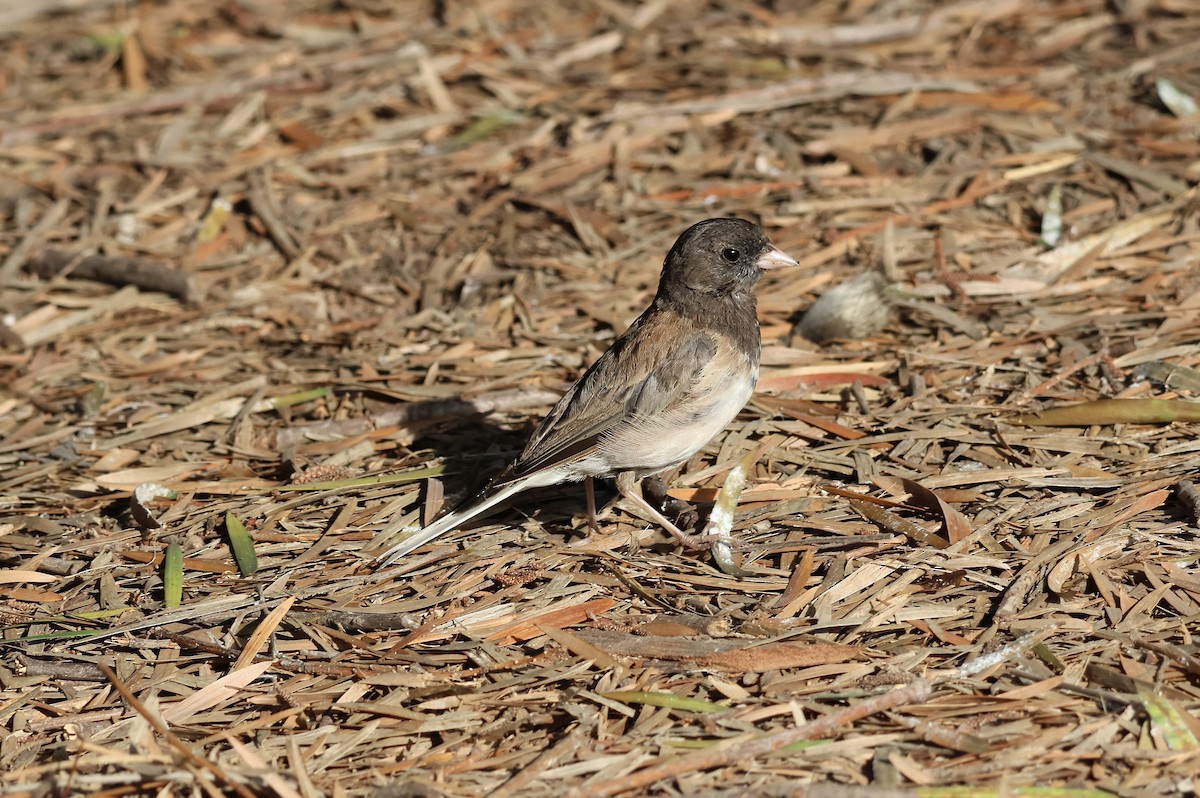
[687,540]
[691,540]
[682,512]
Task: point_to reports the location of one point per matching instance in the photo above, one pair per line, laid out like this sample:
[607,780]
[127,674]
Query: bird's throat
[733,315]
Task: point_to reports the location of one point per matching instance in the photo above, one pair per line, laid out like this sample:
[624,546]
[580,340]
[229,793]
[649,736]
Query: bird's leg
[655,491]
[589,494]
[628,487]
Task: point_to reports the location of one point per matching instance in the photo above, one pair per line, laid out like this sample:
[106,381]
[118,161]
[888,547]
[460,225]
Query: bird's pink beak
[775,258]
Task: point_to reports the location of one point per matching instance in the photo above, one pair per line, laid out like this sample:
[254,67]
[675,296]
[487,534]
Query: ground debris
[319,267]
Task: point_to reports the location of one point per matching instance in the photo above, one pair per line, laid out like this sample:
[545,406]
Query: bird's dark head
[720,258]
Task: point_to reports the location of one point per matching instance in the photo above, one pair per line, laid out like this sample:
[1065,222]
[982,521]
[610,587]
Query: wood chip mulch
[317,268]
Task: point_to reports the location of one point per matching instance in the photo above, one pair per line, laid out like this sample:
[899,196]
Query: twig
[267,209]
[53,215]
[146,274]
[914,693]
[802,91]
[65,670]
[1189,496]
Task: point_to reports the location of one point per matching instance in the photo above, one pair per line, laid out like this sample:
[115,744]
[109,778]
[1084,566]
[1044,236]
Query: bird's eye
[730,254]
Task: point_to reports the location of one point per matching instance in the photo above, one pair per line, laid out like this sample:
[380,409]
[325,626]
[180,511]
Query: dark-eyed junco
[679,374]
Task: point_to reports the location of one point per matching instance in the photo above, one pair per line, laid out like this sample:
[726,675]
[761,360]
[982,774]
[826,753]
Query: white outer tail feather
[419,537]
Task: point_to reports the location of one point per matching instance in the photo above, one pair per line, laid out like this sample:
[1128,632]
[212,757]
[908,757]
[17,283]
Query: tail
[416,538]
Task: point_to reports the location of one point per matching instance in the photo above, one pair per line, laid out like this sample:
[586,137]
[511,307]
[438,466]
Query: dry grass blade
[319,267]
[263,633]
[914,693]
[720,520]
[215,692]
[186,752]
[1115,411]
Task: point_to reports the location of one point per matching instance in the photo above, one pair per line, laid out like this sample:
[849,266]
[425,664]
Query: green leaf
[1167,723]
[42,638]
[485,126]
[287,400]
[1043,652]
[173,576]
[107,40]
[242,545]
[665,700]
[1114,411]
[214,220]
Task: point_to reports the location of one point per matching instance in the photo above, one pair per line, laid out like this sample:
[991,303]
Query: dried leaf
[528,628]
[720,520]
[954,524]
[1052,223]
[1114,411]
[1172,375]
[139,503]
[263,632]
[1086,556]
[33,596]
[734,656]
[131,478]
[1175,99]
[10,576]
[134,62]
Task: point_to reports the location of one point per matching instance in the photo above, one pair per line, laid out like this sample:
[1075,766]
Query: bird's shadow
[474,450]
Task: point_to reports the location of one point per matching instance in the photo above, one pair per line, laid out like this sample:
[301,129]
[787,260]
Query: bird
[682,371]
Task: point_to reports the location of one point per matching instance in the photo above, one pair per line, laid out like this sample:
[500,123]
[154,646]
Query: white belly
[649,445]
